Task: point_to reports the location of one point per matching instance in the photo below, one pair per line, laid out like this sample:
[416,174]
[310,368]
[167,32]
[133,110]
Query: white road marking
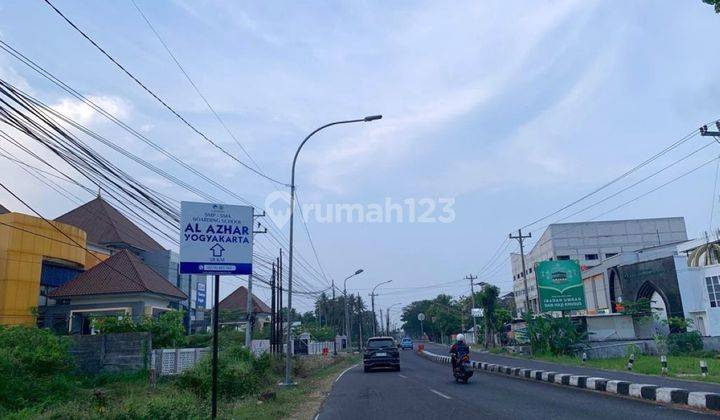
[402,376]
[343,372]
[317,416]
[440,394]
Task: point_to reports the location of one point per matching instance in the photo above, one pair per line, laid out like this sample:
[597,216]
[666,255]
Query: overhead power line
[158,98]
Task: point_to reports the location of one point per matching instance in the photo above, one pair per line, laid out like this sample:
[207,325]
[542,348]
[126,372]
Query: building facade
[590,243]
[35,257]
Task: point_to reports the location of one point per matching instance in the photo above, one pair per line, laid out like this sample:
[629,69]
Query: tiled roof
[237,301]
[123,272]
[3,209]
[105,225]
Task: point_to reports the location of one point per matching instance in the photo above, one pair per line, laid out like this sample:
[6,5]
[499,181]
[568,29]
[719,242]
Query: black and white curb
[706,400]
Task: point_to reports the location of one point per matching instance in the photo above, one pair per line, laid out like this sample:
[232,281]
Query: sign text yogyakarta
[215,238]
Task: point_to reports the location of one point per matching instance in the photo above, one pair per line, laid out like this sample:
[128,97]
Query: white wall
[695,298]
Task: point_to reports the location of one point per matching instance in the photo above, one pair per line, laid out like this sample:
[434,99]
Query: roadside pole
[520,238]
[472,299]
[249,315]
[216,304]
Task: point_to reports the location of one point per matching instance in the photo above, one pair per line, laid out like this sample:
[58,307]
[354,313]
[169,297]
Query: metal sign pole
[216,304]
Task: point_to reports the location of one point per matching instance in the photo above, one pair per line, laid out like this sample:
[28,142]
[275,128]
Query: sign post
[560,285]
[215,239]
[421,318]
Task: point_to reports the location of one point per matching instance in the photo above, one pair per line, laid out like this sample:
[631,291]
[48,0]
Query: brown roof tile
[105,225]
[123,272]
[237,301]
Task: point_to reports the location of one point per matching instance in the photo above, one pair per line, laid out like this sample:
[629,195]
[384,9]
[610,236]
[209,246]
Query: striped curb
[650,392]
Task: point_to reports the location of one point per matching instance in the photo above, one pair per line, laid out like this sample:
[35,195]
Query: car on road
[406,343]
[381,352]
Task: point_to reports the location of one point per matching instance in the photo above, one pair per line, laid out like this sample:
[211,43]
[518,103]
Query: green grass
[299,401]
[129,396]
[685,367]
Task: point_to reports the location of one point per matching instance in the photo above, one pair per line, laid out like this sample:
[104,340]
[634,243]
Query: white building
[589,243]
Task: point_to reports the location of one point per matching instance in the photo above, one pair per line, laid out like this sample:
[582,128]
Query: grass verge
[298,402]
[682,367]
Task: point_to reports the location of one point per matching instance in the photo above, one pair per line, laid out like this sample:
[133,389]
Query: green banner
[560,285]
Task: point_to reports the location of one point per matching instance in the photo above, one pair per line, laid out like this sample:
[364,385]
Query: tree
[488,297]
[716,3]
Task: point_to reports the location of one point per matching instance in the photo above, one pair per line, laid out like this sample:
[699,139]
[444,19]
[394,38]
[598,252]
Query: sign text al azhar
[215,238]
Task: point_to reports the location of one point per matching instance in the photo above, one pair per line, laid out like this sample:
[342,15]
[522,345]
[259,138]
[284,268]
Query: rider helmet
[460,338]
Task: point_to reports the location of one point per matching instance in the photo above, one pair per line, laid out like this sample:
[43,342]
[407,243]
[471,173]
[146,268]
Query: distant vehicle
[406,343]
[381,352]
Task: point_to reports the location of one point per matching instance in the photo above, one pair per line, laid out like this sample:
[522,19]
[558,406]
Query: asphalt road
[426,390]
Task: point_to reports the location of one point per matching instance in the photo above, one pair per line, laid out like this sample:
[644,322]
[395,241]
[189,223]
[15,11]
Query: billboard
[215,238]
[560,285]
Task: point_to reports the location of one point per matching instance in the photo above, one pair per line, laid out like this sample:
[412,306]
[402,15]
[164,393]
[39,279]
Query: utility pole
[520,237]
[472,301]
[387,321]
[273,307]
[372,300]
[280,303]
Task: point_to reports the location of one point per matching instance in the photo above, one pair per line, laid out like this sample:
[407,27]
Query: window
[610,254]
[530,270]
[591,256]
[713,288]
[563,257]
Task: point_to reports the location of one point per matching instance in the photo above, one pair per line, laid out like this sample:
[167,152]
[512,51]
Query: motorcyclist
[458,350]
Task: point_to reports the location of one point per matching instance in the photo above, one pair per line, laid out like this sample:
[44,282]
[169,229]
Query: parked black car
[381,352]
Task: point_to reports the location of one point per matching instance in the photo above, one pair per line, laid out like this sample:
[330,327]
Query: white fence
[317,347]
[174,361]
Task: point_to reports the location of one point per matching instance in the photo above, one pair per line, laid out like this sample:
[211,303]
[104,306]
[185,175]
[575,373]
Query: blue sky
[511,108]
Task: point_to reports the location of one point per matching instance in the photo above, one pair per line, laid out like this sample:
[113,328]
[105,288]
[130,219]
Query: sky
[507,110]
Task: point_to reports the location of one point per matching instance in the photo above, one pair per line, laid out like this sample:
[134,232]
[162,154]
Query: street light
[347,316]
[288,357]
[372,299]
[387,317]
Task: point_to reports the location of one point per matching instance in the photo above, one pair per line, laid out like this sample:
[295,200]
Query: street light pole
[372,301]
[288,355]
[345,300]
[387,317]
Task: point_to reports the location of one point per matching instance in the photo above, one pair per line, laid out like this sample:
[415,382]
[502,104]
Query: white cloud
[444,80]
[82,113]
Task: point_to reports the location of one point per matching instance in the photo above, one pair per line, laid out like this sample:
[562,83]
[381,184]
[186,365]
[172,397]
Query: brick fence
[122,352]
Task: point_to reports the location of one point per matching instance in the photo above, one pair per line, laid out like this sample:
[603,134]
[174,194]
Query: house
[108,229]
[233,309]
[121,285]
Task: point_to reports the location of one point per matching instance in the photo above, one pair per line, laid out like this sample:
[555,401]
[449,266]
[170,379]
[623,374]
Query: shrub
[198,340]
[683,343]
[167,330]
[239,373]
[168,405]
[553,335]
[34,367]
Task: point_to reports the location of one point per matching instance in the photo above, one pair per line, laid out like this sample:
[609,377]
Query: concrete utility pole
[520,237]
[472,301]
[372,302]
[249,314]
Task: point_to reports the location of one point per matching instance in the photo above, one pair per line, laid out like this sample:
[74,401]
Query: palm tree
[487,298]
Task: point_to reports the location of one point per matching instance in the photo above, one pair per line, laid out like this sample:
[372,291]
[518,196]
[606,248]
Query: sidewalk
[661,381]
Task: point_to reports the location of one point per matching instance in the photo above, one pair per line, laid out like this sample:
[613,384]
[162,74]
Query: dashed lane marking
[402,376]
[440,394]
[343,372]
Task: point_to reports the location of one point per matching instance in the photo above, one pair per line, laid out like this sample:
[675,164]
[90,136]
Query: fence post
[631,361]
[703,368]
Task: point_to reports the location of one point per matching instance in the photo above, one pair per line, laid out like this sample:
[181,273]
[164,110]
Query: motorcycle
[462,371]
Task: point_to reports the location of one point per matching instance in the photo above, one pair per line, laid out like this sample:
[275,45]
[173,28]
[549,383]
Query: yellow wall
[21,256]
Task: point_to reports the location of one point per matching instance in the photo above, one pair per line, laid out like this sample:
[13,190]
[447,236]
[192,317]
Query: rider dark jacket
[460,349]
